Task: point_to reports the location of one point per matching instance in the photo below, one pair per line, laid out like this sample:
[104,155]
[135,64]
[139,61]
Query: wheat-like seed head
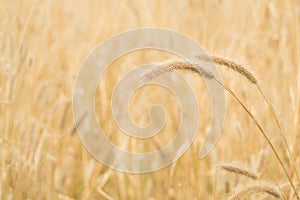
[183,65]
[230,64]
[156,72]
[235,168]
[257,188]
[178,65]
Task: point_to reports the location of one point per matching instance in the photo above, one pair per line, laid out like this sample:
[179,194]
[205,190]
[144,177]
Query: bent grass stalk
[264,134]
[281,131]
[187,67]
[243,71]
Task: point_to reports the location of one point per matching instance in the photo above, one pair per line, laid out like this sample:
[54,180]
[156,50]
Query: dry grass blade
[234,168]
[255,189]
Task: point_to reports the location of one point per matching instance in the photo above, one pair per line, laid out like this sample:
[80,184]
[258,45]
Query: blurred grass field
[42,46]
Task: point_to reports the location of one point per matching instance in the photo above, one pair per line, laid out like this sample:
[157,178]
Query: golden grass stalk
[257,188]
[243,71]
[177,65]
[234,168]
[282,132]
[265,136]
